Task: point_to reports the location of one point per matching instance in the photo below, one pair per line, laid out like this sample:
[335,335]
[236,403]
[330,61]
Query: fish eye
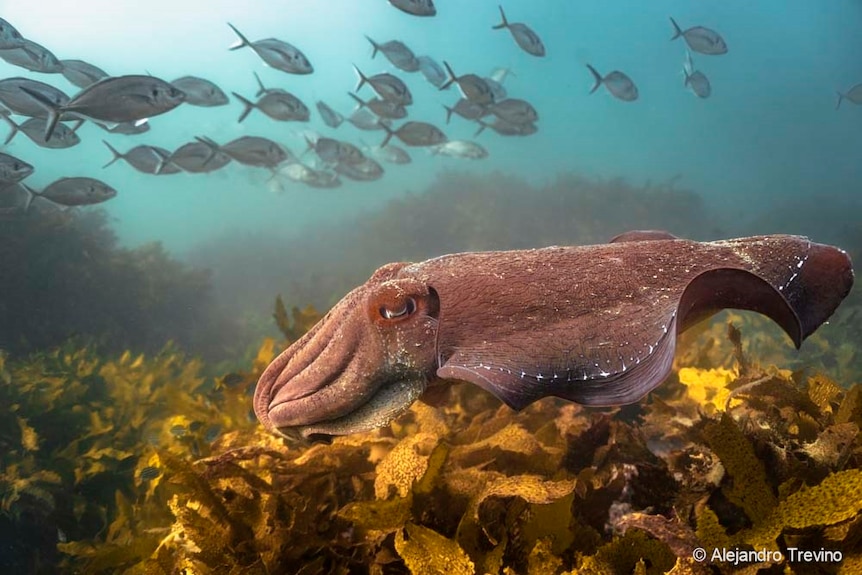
[406,310]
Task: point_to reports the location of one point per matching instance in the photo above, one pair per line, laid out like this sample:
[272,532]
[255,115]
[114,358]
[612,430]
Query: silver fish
[365,119]
[34,128]
[700,39]
[9,36]
[853,95]
[276,53]
[16,100]
[200,92]
[12,169]
[467,110]
[77,191]
[367,170]
[145,159]
[500,74]
[497,90]
[333,151]
[383,108]
[278,105]
[514,111]
[471,86]
[252,151]
[695,79]
[115,100]
[504,128]
[415,134]
[330,117]
[194,157]
[460,149]
[618,84]
[309,176]
[391,153]
[397,53]
[81,73]
[33,57]
[432,71]
[415,7]
[528,40]
[387,86]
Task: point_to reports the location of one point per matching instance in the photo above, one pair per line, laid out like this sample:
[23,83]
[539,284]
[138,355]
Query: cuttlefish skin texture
[592,324]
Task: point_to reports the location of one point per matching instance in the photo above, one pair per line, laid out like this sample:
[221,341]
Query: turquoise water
[769,133]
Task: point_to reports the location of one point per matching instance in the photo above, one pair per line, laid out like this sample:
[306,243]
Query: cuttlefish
[597,325]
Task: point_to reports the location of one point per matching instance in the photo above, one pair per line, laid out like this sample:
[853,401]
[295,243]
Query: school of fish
[123,104]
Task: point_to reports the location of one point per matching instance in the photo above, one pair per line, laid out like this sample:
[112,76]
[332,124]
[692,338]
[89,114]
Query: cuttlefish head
[360,367]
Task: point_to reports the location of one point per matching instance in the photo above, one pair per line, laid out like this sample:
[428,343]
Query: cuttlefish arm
[592,324]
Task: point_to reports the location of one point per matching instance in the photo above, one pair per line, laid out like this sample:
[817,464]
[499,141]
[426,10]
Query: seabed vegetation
[140,464]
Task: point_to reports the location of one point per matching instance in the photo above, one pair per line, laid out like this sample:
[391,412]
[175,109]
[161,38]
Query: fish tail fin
[677,31]
[359,101]
[243,41]
[449,111]
[247,104]
[504,23]
[213,147]
[482,125]
[837,105]
[52,109]
[451,74]
[261,89]
[164,160]
[80,123]
[117,155]
[389,133]
[31,194]
[362,78]
[13,128]
[597,77]
[374,45]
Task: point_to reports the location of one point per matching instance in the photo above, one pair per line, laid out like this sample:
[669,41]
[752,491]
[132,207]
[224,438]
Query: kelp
[143,465]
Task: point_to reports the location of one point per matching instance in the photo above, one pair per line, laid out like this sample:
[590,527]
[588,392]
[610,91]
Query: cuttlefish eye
[405,310]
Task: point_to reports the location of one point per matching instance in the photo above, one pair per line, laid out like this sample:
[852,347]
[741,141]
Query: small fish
[332,151]
[467,110]
[617,83]
[77,191]
[276,53]
[33,57]
[391,153]
[81,73]
[504,128]
[34,128]
[700,39]
[200,92]
[212,433]
[252,151]
[528,40]
[149,472]
[18,101]
[115,100]
[460,149]
[309,176]
[397,53]
[330,117]
[194,157]
[415,134]
[415,7]
[500,74]
[497,90]
[432,71]
[471,86]
[695,79]
[13,170]
[278,105]
[387,86]
[853,95]
[514,111]
[178,430]
[383,108]
[145,159]
[367,170]
[9,36]
[126,128]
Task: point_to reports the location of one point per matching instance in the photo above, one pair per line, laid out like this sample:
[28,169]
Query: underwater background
[132,332]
